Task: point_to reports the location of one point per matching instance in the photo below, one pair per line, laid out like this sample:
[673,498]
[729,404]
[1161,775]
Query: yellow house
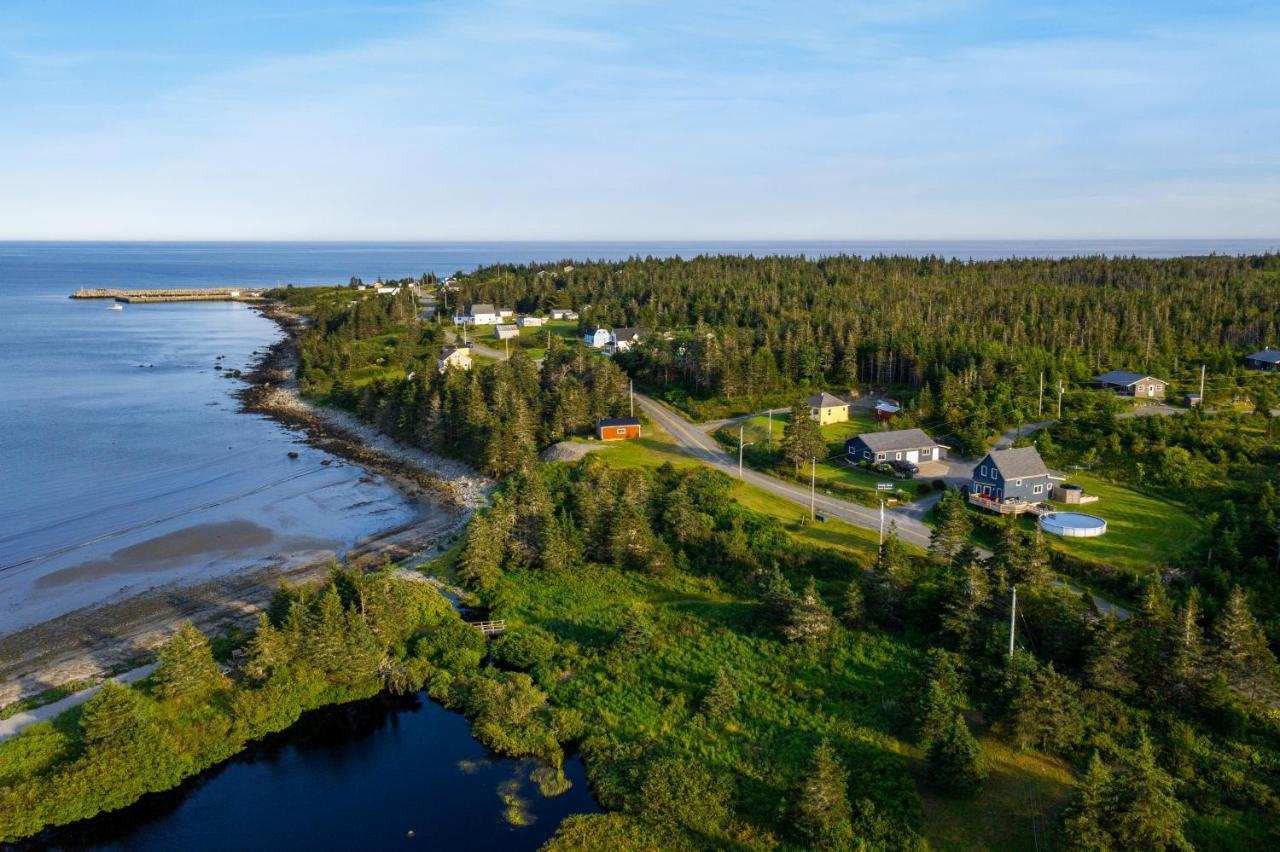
[454,356]
[826,408]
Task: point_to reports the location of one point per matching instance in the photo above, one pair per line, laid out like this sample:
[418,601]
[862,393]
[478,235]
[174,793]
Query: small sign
[884,486]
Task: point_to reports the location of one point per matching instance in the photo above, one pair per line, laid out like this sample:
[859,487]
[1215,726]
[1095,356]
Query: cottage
[597,339]
[482,315]
[506,313]
[454,356]
[506,331]
[618,428]
[530,322]
[1134,384]
[886,410]
[1011,480]
[624,338]
[910,445]
[1268,360]
[563,314]
[827,408]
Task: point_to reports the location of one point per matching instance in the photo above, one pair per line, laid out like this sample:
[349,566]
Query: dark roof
[446,351]
[1270,356]
[628,334]
[897,439]
[1124,378]
[1019,463]
[824,400]
[617,421]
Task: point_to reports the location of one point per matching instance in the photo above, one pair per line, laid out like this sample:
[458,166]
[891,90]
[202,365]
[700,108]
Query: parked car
[905,468]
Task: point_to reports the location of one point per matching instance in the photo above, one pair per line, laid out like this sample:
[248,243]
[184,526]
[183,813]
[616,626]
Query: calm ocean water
[124,464]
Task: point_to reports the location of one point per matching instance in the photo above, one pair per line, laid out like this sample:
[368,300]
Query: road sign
[884,486]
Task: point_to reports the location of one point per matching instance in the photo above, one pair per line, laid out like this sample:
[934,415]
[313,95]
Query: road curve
[702,447]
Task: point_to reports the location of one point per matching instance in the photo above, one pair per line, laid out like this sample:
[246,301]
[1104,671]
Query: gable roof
[888,407]
[1124,378]
[617,421]
[446,351]
[482,309]
[627,333]
[1269,356]
[822,399]
[897,439]
[1018,463]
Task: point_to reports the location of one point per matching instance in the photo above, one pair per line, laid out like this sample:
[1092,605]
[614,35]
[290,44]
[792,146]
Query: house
[506,331]
[1267,360]
[1133,384]
[911,445]
[530,322]
[563,314]
[886,410]
[827,408]
[597,339]
[1011,481]
[506,313]
[454,356]
[618,428]
[624,338]
[482,315]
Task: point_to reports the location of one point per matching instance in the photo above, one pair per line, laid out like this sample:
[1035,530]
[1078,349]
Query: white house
[530,322]
[480,315]
[598,339]
[454,356]
[564,314]
[506,313]
[624,338]
[506,331]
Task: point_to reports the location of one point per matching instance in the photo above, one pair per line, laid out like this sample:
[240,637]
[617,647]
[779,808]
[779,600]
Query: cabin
[530,322]
[505,331]
[1133,384]
[624,338]
[910,445]
[828,408]
[618,428]
[563,314]
[1011,481]
[1268,360]
[886,410]
[482,315]
[454,356]
[597,339]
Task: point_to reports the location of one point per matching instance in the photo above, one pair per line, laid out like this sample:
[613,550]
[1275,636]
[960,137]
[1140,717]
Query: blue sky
[643,120]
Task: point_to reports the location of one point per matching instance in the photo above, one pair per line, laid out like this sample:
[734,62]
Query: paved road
[699,445]
[19,722]
[1008,436]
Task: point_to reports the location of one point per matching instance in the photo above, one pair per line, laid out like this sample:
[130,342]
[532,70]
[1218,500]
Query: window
[924,454]
[1017,483]
[620,431]
[866,454]
[983,470]
[879,456]
[898,457]
[1036,489]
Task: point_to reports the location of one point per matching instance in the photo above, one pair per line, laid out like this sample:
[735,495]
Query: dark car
[905,468]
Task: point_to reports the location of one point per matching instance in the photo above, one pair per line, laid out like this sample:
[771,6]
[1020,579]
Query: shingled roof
[1267,356]
[898,439]
[1019,463]
[1123,378]
[823,399]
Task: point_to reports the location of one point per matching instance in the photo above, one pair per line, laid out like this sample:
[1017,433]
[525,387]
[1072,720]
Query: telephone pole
[1061,391]
[770,430]
[740,445]
[813,489]
[631,397]
[882,523]
[1013,620]
[1040,405]
[1202,369]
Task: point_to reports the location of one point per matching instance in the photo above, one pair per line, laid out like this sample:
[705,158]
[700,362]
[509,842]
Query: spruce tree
[116,714]
[853,609]
[954,761]
[965,606]
[187,669]
[810,618]
[1086,820]
[952,530]
[1187,668]
[722,698]
[777,597]
[824,818]
[1147,814]
[1242,651]
[801,438]
[885,584]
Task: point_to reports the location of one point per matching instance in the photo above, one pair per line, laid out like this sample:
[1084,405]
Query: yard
[534,340]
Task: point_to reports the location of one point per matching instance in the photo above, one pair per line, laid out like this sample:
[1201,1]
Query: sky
[519,119]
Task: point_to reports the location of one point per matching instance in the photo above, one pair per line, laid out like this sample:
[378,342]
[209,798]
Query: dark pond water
[358,777]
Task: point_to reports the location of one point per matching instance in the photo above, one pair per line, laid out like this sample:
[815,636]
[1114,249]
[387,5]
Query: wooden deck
[1019,508]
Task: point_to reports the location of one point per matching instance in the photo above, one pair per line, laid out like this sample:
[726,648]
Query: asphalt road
[701,446]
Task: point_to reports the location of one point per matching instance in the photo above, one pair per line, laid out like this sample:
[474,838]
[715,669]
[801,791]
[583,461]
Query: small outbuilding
[886,410]
[564,314]
[828,408]
[506,331]
[1134,384]
[1268,360]
[530,322]
[618,428]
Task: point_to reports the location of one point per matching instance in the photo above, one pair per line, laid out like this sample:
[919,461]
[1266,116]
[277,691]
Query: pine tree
[722,698]
[810,618]
[853,610]
[885,584]
[952,530]
[1086,821]
[1153,632]
[1045,712]
[1186,669]
[954,761]
[824,818]
[116,714]
[801,438]
[1147,814]
[187,669]
[777,597]
[1242,651]
[965,606]
[1107,663]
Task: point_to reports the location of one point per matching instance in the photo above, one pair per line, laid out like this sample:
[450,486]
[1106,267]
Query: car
[905,468]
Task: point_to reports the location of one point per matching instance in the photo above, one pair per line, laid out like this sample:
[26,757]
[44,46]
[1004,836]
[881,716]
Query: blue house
[911,445]
[1267,360]
[1011,481]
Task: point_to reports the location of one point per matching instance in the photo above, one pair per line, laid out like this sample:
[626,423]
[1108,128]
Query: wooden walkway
[489,628]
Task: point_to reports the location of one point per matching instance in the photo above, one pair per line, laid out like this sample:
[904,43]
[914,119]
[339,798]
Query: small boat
[117,307]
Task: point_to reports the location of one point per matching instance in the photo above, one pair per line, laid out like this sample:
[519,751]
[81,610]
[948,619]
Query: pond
[357,776]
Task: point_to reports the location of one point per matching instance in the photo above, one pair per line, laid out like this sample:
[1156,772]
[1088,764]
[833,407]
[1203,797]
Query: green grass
[1142,529]
[533,341]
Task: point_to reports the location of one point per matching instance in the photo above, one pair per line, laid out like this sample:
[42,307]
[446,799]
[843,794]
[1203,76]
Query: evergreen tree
[187,669]
[1186,669]
[722,698]
[885,584]
[824,818]
[954,761]
[1085,822]
[1107,663]
[952,530]
[1147,815]
[1045,712]
[777,597]
[853,609]
[1242,652]
[635,634]
[810,618]
[801,438]
[115,714]
[965,606]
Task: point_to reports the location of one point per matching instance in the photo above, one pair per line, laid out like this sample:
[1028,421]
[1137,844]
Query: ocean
[124,463]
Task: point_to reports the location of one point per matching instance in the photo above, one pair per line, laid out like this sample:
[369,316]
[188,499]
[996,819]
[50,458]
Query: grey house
[911,445]
[1134,384]
[1011,480]
[1267,360]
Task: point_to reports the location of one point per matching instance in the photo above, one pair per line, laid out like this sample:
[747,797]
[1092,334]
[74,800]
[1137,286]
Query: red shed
[618,428]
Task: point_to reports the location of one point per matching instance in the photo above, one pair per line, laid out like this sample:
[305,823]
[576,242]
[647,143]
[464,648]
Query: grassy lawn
[534,340]
[1141,529]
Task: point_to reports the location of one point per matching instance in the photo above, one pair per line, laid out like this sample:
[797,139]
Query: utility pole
[1061,391]
[740,437]
[882,523]
[1013,616]
[1202,369]
[813,489]
[770,430]
[1040,406]
[631,398]
[506,349]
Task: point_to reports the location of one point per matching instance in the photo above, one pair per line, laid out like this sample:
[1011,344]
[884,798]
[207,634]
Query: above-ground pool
[1073,524]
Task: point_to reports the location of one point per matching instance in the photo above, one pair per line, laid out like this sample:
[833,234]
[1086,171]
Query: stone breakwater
[210,294]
